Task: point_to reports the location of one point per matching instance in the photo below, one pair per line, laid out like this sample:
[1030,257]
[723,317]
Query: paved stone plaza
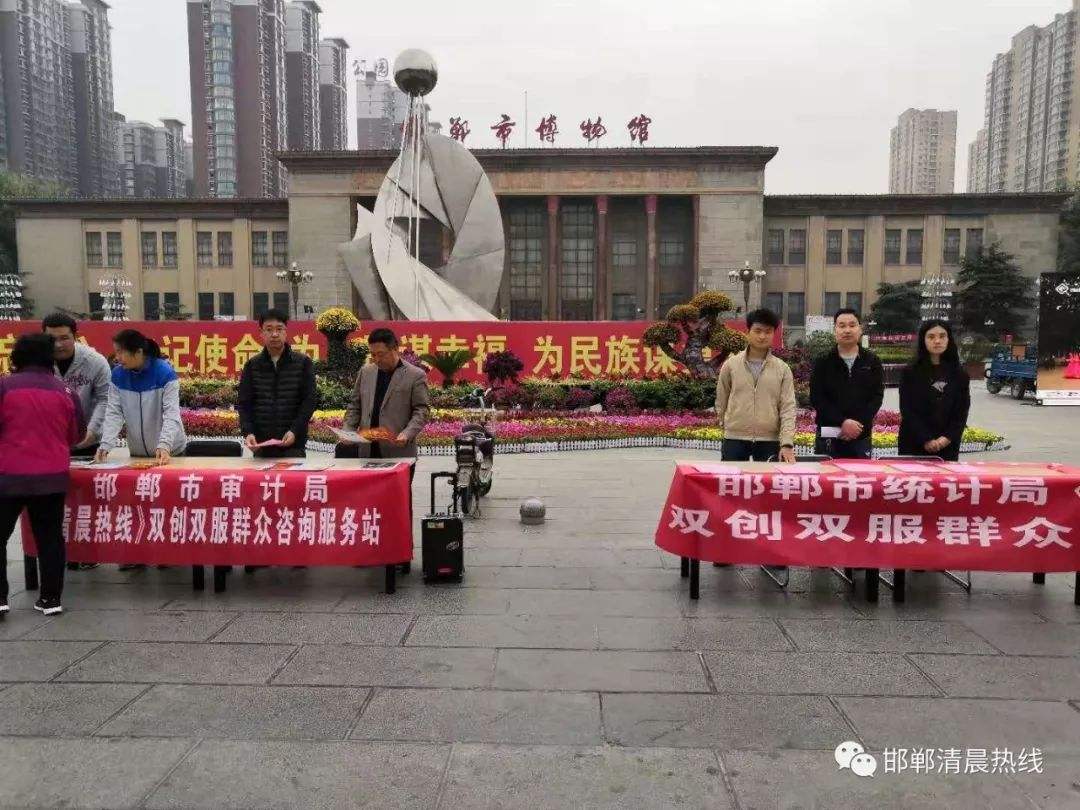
[570,670]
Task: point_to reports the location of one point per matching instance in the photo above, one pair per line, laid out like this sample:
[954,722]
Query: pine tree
[896,310]
[993,294]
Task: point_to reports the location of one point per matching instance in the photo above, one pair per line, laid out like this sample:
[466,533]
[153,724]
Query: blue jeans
[838,448]
[746,450]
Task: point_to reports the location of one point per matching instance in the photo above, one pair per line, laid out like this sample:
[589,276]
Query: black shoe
[50,607]
[131,567]
[85,566]
[721,565]
[4,606]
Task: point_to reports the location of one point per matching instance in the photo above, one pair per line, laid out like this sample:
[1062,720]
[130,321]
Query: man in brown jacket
[755,397]
[391,394]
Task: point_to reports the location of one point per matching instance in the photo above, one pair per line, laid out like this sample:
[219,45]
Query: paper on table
[914,467]
[955,466]
[718,469]
[809,468]
[854,465]
[314,466]
[830,433]
[349,436]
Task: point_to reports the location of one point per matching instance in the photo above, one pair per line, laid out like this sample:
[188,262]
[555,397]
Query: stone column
[603,266]
[652,276]
[553,258]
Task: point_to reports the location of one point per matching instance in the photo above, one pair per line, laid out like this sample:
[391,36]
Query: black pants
[281,452]
[746,450]
[838,448]
[46,513]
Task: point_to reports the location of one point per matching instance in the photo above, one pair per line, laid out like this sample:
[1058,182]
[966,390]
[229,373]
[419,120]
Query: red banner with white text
[182,514]
[563,348]
[933,516]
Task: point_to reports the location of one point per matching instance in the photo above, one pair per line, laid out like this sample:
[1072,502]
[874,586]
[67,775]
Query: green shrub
[820,344]
[551,397]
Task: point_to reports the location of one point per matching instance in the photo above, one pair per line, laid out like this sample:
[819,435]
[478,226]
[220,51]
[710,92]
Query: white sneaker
[4,607]
[48,608]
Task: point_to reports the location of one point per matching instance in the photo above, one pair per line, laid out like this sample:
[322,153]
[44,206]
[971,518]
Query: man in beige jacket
[755,397]
[391,394]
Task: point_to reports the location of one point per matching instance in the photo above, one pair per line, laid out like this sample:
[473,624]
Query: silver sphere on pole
[415,72]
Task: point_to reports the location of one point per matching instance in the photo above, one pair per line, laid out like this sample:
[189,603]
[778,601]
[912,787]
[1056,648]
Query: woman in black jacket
[935,396]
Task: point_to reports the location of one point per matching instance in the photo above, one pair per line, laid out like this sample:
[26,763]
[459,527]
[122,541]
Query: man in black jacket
[277,396]
[846,389]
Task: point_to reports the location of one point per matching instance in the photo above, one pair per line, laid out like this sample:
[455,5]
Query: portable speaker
[442,541]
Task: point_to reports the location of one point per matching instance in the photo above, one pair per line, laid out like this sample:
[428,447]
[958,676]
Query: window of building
[526,242]
[951,252]
[578,278]
[260,303]
[855,246]
[796,246]
[149,250]
[774,302]
[227,304]
[93,249]
[206,306]
[830,303]
[204,248]
[796,309]
[281,301]
[914,246]
[834,252]
[170,307]
[974,243]
[115,246]
[224,248]
[624,307]
[775,246]
[260,249]
[624,253]
[854,301]
[892,246]
[672,252]
[151,306]
[168,249]
[97,307]
[281,248]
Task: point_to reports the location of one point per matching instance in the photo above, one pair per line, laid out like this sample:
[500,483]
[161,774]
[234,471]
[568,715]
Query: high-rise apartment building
[35,41]
[92,91]
[238,96]
[333,95]
[3,121]
[1032,112]
[381,110]
[302,75]
[154,159]
[976,179]
[922,152]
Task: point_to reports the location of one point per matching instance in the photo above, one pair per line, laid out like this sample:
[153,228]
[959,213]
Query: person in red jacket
[40,421]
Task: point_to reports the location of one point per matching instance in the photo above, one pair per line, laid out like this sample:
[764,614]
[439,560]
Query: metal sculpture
[433,178]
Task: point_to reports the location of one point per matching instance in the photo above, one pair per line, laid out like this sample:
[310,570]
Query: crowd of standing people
[64,400]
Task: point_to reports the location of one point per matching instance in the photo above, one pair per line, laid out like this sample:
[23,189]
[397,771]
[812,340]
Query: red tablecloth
[929,515]
[211,512]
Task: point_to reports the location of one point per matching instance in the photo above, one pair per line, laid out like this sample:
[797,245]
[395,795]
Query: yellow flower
[337,319]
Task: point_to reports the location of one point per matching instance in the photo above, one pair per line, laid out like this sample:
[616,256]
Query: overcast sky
[824,80]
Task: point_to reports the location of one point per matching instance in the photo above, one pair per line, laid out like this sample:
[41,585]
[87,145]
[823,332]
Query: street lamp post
[937,295]
[11,297]
[295,276]
[747,275]
[115,296]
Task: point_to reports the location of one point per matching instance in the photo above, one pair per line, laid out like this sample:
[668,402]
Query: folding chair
[783,583]
[212,448]
[899,580]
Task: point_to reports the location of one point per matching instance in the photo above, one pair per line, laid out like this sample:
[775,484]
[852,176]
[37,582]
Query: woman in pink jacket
[40,421]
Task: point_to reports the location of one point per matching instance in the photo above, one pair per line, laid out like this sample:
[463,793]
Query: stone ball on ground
[532,511]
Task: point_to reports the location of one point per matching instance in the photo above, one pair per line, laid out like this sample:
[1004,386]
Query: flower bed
[535,431]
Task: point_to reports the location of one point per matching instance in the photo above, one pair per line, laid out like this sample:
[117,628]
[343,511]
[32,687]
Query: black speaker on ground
[442,540]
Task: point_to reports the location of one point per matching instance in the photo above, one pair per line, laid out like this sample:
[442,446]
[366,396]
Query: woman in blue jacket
[144,397]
